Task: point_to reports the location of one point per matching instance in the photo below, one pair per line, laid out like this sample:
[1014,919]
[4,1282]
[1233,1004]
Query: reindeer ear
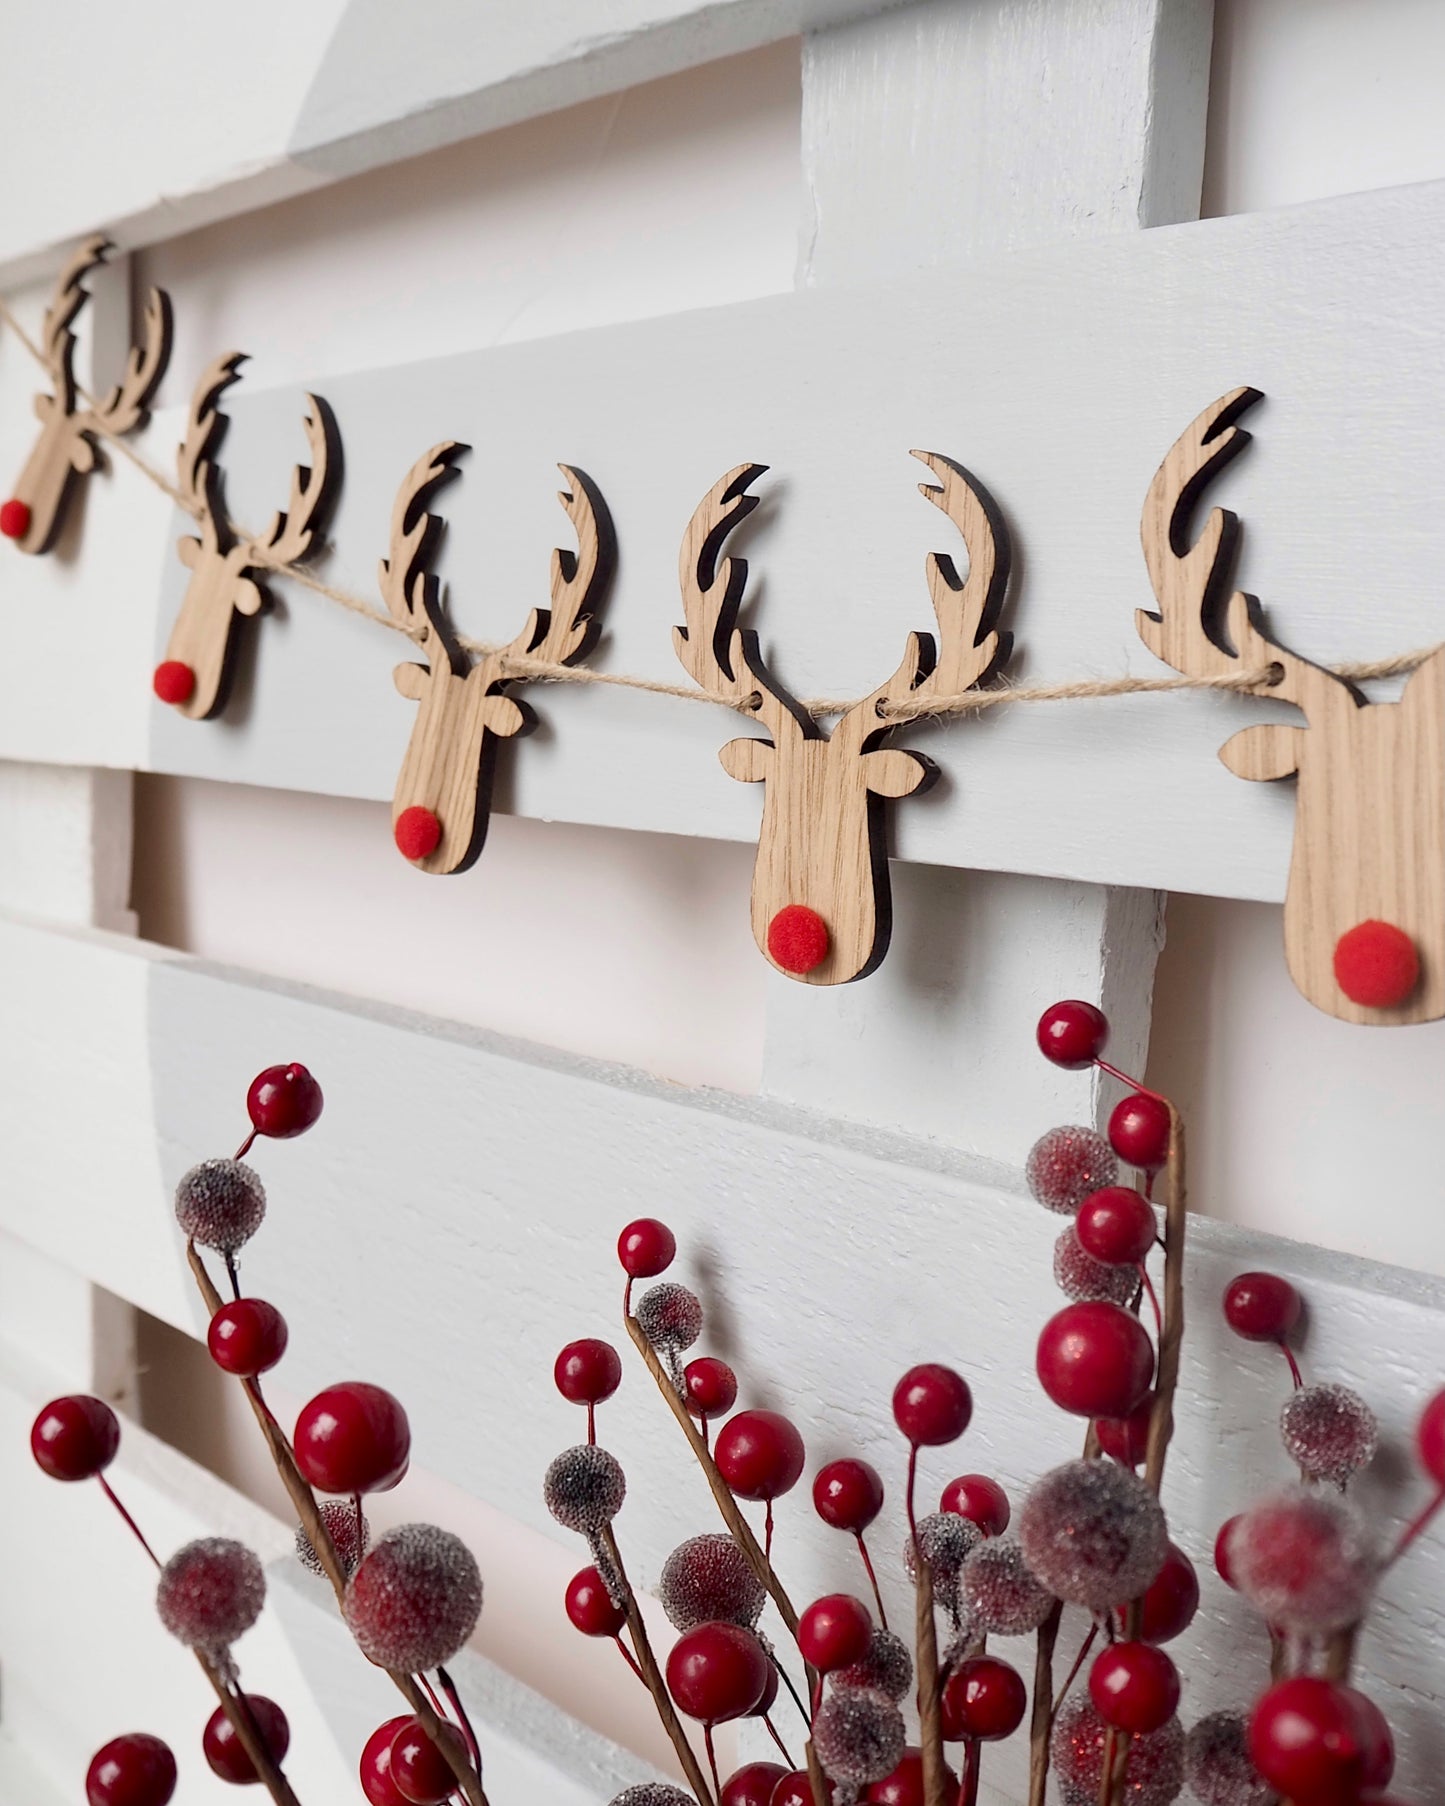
[746,759]
[188,550]
[889,772]
[82,455]
[411,681]
[247,598]
[502,716]
[1269,750]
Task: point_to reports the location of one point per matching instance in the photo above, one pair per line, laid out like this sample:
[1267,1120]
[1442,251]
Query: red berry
[753,1785]
[1116,1225]
[1223,1566]
[1307,1739]
[981,1500]
[283,1101]
[1430,1439]
[904,1787]
[932,1405]
[1072,1034]
[15,524]
[417,832]
[711,1387]
[590,1607]
[375,1768]
[1376,964]
[1095,1360]
[1139,1130]
[224,1750]
[173,682]
[796,1789]
[834,1632]
[798,939]
[759,1454]
[1172,1599]
[848,1494]
[717,1672]
[247,1337]
[134,1770]
[75,1438]
[770,1694]
[1379,1743]
[646,1248]
[420,1772]
[1127,1438]
[1134,1687]
[353,1438]
[984,1698]
[1261,1307]
[588,1371]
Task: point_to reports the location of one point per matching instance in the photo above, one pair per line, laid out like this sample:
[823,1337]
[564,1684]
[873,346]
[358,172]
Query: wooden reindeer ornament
[821,907]
[227,568]
[66,449]
[1364,914]
[443,793]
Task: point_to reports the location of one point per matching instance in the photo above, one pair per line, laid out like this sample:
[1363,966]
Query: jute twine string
[518,665]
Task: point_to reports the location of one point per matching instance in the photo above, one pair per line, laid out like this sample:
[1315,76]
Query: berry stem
[768,1532]
[782,1747]
[627,1657]
[245,1147]
[787,1681]
[1041,1720]
[1134,1084]
[930,1693]
[1295,1374]
[968,1786]
[1153,1297]
[1073,1674]
[131,1524]
[711,1756]
[232,1274]
[1412,1530]
[873,1578]
[448,1686]
[591,1422]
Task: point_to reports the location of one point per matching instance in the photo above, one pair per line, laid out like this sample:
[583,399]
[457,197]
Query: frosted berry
[588,1371]
[932,1405]
[1155,1773]
[1081,1277]
[422,1774]
[1094,1534]
[211,1592]
[415,1600]
[760,1454]
[1066,1164]
[1139,1130]
[1134,1686]
[226,1755]
[1171,1600]
[670,1317]
[848,1494]
[652,1793]
[283,1101]
[353,1438]
[887,1668]
[584,1489]
[1218,1765]
[590,1606]
[375,1766]
[1261,1307]
[1117,1225]
[709,1388]
[717,1672]
[945,1541]
[134,1770]
[1095,1360]
[220,1204]
[752,1785]
[1072,1034]
[1430,1438]
[1000,1593]
[1307,1739]
[981,1500]
[247,1337]
[174,681]
[646,1248]
[858,1736]
[983,1698]
[75,1438]
[834,1632]
[1126,1439]
[350,1537]
[708,1579]
[1303,1559]
[1329,1432]
[904,1786]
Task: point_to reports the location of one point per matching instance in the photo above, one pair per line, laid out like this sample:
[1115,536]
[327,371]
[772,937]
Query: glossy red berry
[352,1438]
[1116,1225]
[1095,1360]
[1223,1566]
[1072,1034]
[134,1770]
[1261,1307]
[1172,1599]
[1139,1130]
[848,1494]
[753,1785]
[1430,1439]
[710,1387]
[983,1698]
[247,1337]
[590,1607]
[15,524]
[1378,1741]
[1307,1739]
[796,1789]
[417,832]
[760,1454]
[375,1766]
[1126,1439]
[834,1632]
[798,939]
[226,1754]
[646,1248]
[75,1438]
[1376,964]
[421,1773]
[588,1371]
[904,1787]
[1134,1687]
[173,681]
[981,1500]
[717,1672]
[283,1101]
[932,1405]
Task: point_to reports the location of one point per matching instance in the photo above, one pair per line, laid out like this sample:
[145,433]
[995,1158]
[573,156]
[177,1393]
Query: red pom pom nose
[417,832]
[798,939]
[1377,964]
[15,519]
[174,682]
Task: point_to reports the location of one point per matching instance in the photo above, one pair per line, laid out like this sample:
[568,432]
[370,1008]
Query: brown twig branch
[248,1733]
[1041,1721]
[930,1705]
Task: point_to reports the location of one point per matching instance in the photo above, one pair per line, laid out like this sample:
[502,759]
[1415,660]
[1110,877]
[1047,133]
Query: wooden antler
[292,535]
[410,590]
[565,632]
[128,404]
[56,339]
[196,472]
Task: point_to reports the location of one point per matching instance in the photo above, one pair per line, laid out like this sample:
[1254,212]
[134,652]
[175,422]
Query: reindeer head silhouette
[1364,914]
[821,908]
